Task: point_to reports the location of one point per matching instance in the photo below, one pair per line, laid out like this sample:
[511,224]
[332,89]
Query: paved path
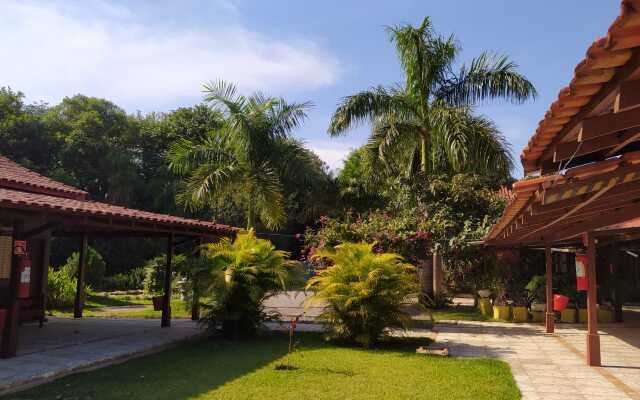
[553,366]
[66,345]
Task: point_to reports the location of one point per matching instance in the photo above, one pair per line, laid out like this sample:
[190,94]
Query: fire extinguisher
[24,273]
[581,272]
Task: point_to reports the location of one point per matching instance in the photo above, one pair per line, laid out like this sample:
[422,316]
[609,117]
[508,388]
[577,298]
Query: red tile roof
[21,188]
[14,175]
[65,206]
[602,61]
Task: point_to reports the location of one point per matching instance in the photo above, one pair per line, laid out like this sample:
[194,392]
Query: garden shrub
[153,282]
[95,268]
[61,289]
[364,292]
[130,280]
[238,276]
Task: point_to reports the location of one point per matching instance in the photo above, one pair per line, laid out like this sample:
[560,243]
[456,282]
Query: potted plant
[484,302]
[501,309]
[158,302]
[536,289]
[519,311]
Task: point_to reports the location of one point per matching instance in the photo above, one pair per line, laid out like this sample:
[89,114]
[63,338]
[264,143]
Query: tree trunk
[424,154]
[437,273]
[426,277]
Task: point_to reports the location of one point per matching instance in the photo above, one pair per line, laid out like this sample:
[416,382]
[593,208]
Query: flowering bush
[402,235]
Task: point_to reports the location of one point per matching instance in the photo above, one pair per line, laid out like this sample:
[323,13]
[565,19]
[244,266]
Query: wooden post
[195,299]
[618,279]
[437,273]
[593,339]
[166,302]
[9,344]
[550,316]
[78,304]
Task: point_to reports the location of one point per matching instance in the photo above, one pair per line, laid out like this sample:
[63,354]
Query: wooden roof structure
[583,160]
[68,209]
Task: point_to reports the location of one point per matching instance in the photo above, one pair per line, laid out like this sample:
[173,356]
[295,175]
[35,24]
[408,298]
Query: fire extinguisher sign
[581,272]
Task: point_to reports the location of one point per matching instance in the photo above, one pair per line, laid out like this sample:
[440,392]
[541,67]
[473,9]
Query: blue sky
[155,55]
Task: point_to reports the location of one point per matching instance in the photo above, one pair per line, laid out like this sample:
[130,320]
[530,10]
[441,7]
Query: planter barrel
[537,316]
[520,314]
[605,316]
[486,309]
[582,315]
[568,315]
[501,312]
[158,301]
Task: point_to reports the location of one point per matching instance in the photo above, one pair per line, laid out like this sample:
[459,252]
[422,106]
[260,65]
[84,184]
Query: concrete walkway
[553,366]
[64,346]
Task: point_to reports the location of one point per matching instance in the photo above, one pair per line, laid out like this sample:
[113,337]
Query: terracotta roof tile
[15,176]
[599,66]
[10,198]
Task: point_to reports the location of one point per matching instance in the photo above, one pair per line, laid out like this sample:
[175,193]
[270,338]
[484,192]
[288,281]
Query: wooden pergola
[583,164]
[33,209]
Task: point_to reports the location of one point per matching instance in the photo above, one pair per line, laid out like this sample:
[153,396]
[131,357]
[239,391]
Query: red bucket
[560,302]
[3,317]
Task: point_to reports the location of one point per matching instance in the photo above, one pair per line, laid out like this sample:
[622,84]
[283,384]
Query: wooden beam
[629,96]
[608,123]
[40,229]
[9,339]
[166,303]
[550,316]
[78,304]
[593,339]
[605,95]
[614,216]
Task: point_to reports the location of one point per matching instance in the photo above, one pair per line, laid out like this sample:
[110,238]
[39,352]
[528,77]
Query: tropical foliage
[247,159]
[237,276]
[363,291]
[428,124]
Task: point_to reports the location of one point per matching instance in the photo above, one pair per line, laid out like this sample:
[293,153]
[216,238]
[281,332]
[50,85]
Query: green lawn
[463,313]
[246,370]
[94,304]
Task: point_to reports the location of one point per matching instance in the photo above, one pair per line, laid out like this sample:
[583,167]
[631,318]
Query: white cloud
[334,153]
[49,52]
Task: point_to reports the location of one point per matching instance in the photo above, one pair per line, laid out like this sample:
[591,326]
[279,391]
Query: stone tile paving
[66,345]
[552,366]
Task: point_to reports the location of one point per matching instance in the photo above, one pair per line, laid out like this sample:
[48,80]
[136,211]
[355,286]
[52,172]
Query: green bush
[95,268]
[130,280]
[153,282]
[61,290]
[237,277]
[364,292]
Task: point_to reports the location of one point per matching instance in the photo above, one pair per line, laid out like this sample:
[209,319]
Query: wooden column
[437,273]
[78,304]
[9,344]
[593,339]
[550,316]
[195,300]
[166,302]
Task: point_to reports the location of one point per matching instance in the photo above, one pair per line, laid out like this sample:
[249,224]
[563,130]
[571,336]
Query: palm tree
[429,121]
[244,160]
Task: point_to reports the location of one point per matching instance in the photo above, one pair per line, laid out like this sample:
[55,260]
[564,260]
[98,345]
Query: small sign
[582,261]
[19,247]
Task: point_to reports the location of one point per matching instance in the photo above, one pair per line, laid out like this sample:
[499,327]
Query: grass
[459,313]
[211,369]
[94,305]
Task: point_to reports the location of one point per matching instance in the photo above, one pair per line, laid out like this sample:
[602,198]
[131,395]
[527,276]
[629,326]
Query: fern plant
[238,277]
[363,292]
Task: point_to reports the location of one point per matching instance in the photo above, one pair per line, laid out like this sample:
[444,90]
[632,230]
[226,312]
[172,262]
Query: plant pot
[537,316]
[486,309]
[501,312]
[3,318]
[520,314]
[568,315]
[539,307]
[582,315]
[158,302]
[605,315]
[484,293]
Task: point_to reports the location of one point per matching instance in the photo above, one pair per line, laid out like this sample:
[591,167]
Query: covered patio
[34,209]
[582,191]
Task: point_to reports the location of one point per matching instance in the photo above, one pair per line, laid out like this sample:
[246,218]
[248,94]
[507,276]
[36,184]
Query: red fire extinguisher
[581,272]
[24,273]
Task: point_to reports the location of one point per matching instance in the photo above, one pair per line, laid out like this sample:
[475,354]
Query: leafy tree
[240,275]
[246,158]
[429,121]
[364,292]
[358,187]
[95,267]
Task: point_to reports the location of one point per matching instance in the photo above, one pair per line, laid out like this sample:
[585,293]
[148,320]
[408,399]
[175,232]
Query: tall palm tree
[430,119]
[245,159]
